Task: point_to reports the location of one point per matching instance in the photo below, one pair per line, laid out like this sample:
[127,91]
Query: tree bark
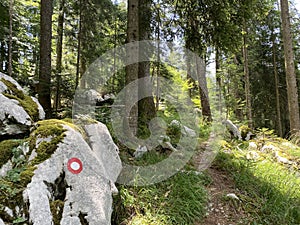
[79,35]
[292,90]
[247,79]
[218,80]
[44,89]
[203,90]
[278,112]
[10,43]
[59,47]
[132,70]
[146,106]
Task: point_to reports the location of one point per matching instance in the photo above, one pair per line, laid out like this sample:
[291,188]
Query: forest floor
[219,210]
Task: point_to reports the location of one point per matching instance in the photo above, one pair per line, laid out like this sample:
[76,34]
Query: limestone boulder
[18,111]
[66,176]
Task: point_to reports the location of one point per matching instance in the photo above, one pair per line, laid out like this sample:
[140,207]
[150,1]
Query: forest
[172,79]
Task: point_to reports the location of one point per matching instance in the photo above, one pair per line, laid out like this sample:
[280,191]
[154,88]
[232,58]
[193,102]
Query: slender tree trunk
[278,112]
[10,43]
[2,55]
[79,35]
[292,90]
[218,80]
[203,90]
[158,59]
[146,106]
[132,70]
[247,79]
[59,47]
[45,56]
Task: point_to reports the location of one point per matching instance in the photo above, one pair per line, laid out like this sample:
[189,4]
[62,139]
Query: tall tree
[146,107]
[276,78]
[247,76]
[59,48]
[10,43]
[291,82]
[132,70]
[44,89]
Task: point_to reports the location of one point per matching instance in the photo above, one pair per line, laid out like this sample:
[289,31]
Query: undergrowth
[270,191]
[179,200]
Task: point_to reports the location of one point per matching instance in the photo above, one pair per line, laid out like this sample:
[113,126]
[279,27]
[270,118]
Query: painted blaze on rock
[45,191]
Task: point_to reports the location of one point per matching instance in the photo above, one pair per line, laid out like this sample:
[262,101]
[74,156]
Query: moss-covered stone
[244,129]
[56,208]
[11,190]
[24,100]
[6,148]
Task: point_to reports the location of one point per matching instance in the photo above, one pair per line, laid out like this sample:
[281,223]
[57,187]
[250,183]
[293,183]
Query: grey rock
[233,129]
[40,108]
[89,192]
[6,77]
[105,149]
[14,120]
[189,132]
[92,96]
[140,151]
[5,168]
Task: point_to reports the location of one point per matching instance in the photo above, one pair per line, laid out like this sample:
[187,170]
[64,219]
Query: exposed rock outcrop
[66,176]
[18,110]
[52,171]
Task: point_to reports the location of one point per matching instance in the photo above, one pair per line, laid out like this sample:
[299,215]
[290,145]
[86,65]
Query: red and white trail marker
[75,165]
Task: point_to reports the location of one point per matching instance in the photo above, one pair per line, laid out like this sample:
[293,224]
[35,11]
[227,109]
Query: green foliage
[56,208]
[6,150]
[179,200]
[269,191]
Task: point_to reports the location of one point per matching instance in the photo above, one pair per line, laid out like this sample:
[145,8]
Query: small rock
[140,151]
[252,155]
[232,196]
[269,148]
[252,146]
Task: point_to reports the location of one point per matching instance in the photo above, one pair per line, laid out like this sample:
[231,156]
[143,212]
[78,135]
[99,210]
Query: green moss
[24,100]
[244,129]
[11,190]
[56,208]
[6,150]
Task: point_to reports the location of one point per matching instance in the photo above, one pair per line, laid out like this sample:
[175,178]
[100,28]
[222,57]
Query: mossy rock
[24,100]
[11,190]
[244,129]
[6,150]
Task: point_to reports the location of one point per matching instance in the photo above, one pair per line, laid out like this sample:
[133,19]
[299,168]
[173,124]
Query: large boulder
[65,175]
[18,110]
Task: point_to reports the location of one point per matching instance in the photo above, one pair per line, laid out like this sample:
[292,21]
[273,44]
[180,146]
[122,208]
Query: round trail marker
[75,165]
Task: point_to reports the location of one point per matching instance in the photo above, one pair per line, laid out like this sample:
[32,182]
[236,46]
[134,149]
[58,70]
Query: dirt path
[221,210]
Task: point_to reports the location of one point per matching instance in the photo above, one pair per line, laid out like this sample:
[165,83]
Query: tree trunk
[44,90]
[203,90]
[291,82]
[157,66]
[132,70]
[78,45]
[59,47]
[247,79]
[278,112]
[10,43]
[146,106]
[218,81]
